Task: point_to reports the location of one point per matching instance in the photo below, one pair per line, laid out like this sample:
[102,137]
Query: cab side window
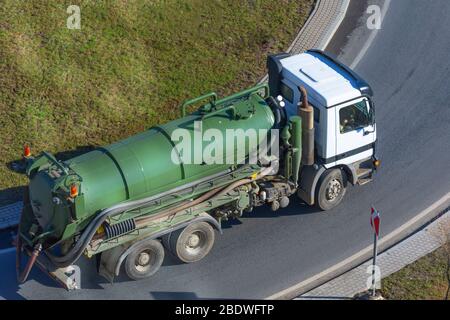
[287,93]
[316,115]
[354,117]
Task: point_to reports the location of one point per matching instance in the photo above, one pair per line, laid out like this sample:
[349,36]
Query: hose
[22,276]
[206,196]
[75,253]
[77,250]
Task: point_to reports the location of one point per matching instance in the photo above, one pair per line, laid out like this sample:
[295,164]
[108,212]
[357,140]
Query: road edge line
[7,250]
[373,34]
[349,263]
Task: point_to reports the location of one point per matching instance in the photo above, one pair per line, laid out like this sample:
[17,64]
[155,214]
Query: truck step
[363,172]
[363,181]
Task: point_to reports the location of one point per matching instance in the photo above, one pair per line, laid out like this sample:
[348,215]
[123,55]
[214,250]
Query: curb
[320,27]
[10,215]
[388,241]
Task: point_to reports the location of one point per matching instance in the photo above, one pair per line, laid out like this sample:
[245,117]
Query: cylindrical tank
[142,165]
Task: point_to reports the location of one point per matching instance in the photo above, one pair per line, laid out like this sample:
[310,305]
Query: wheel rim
[334,189]
[195,242]
[144,260]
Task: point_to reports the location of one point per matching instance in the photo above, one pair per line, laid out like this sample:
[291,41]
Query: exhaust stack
[306,112]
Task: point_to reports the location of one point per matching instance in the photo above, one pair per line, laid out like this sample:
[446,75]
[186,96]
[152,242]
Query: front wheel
[331,190]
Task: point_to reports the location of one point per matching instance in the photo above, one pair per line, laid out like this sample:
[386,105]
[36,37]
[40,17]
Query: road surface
[408,66]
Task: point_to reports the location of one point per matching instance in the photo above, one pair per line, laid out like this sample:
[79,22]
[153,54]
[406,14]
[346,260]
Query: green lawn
[128,68]
[426,279]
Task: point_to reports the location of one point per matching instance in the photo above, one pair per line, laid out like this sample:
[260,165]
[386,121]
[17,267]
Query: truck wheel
[331,190]
[192,243]
[144,260]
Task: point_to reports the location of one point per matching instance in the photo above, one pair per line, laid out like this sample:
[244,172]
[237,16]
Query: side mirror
[366,132]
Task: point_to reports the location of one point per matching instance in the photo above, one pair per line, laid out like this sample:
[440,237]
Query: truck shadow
[172,295]
[9,288]
[296,208]
[78,151]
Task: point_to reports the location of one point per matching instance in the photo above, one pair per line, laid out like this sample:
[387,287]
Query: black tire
[145,260]
[331,189]
[192,243]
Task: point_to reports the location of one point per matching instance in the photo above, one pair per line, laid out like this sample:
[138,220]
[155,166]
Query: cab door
[355,131]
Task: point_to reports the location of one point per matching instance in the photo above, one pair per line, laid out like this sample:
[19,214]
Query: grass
[128,68]
[426,279]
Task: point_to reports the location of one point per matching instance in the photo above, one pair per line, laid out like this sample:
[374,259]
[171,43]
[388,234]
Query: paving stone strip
[320,27]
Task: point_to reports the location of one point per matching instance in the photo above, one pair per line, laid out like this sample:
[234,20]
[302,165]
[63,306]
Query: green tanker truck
[310,131]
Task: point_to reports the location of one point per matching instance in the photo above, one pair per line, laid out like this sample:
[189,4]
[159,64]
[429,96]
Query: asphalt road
[408,65]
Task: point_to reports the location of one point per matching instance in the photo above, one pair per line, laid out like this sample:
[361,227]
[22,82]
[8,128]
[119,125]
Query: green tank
[139,166]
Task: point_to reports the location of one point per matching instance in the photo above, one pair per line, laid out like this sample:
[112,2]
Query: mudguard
[111,260]
[309,177]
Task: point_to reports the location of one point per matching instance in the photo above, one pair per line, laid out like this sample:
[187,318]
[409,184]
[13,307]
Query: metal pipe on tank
[306,112]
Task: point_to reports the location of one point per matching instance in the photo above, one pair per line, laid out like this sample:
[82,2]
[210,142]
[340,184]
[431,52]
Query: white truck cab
[344,120]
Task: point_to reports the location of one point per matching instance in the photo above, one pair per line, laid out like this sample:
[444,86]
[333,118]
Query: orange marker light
[377,163]
[26,151]
[73,191]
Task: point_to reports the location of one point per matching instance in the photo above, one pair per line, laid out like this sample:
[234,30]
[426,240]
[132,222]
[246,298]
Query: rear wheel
[331,189]
[192,243]
[144,260]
